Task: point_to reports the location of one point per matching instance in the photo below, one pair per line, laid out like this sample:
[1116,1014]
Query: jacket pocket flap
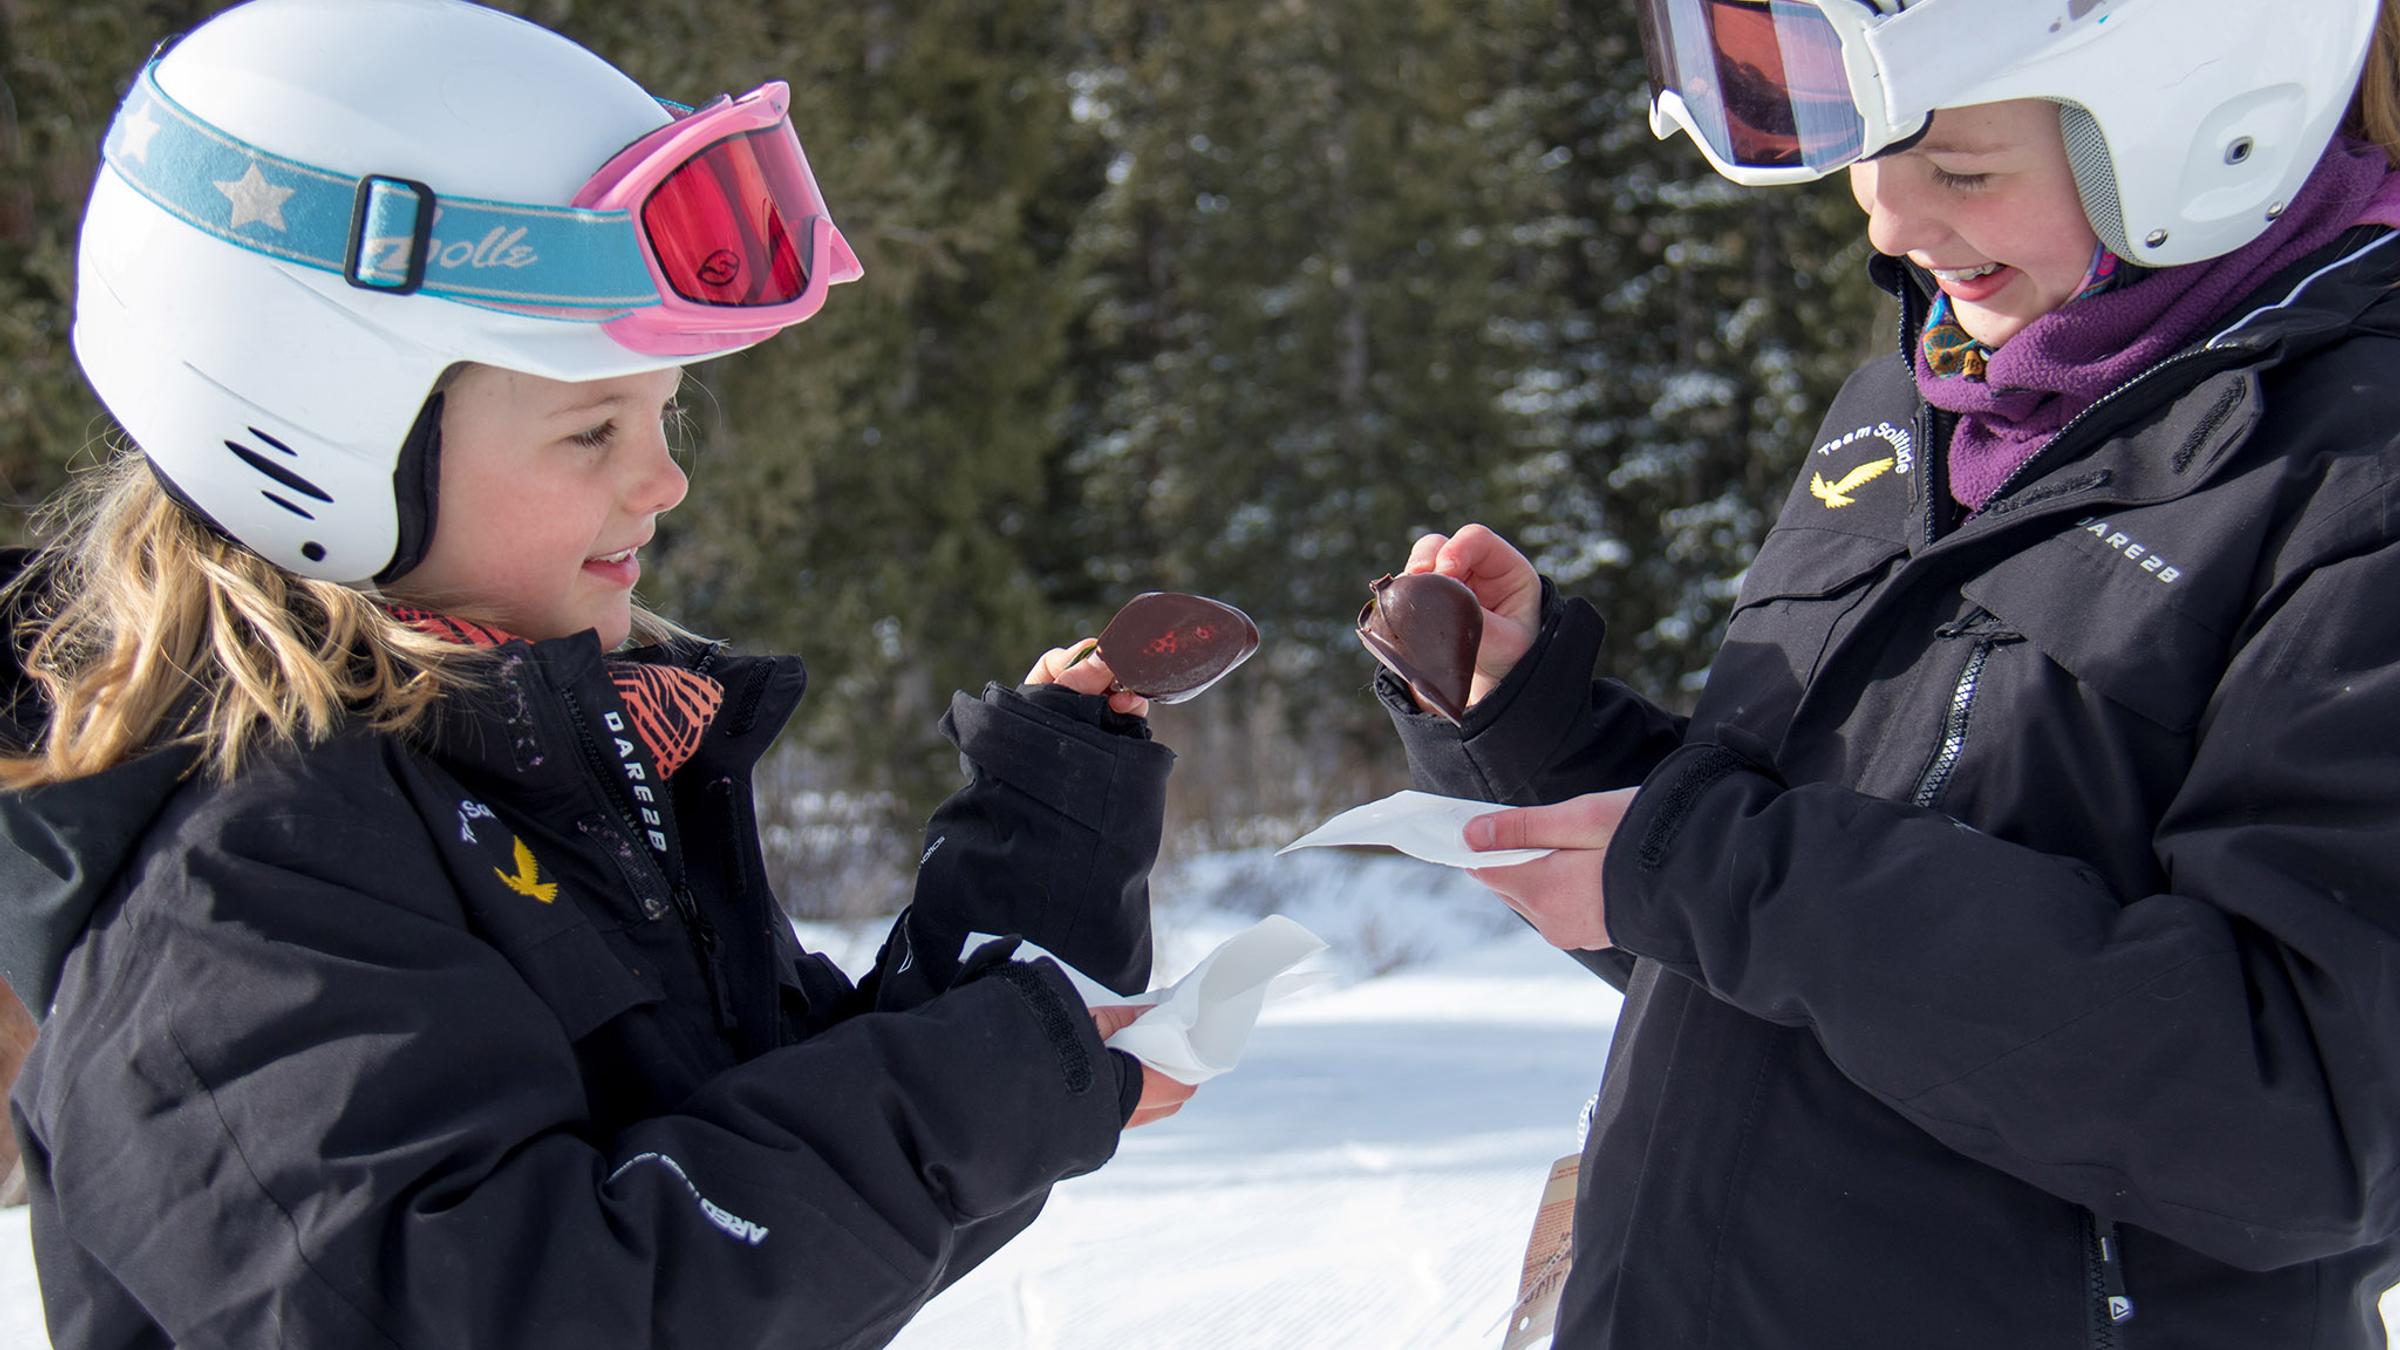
[2111,626]
[585,982]
[1798,563]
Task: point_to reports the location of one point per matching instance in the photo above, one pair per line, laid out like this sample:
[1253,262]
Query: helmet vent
[295,510]
[281,474]
[2095,177]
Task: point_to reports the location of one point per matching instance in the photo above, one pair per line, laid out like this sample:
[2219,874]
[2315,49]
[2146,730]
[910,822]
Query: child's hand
[1559,895]
[1505,584]
[1161,1096]
[1079,667]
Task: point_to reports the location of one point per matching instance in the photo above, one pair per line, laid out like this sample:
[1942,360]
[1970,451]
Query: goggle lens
[1762,80]
[718,227]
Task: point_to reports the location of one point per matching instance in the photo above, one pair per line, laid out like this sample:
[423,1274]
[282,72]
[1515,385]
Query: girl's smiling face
[547,491]
[1987,203]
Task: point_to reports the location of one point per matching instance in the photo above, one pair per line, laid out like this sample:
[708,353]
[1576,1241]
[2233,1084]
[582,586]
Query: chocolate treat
[1426,628]
[1168,646]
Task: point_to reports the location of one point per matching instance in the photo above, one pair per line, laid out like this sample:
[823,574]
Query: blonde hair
[2375,114]
[141,627]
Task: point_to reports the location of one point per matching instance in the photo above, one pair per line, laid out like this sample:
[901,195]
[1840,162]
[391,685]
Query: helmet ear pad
[416,492]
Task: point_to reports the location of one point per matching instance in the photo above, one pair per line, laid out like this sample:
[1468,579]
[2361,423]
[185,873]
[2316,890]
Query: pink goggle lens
[717,224]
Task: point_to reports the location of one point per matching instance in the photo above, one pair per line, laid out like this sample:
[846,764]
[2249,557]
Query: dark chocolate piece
[1426,627]
[1168,646]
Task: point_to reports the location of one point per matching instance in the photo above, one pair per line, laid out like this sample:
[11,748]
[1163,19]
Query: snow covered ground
[1365,1179]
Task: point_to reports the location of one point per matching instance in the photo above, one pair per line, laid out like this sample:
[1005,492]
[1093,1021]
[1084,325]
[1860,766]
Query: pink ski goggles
[730,222]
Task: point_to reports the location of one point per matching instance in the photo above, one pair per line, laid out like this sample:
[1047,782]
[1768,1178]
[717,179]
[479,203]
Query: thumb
[1568,824]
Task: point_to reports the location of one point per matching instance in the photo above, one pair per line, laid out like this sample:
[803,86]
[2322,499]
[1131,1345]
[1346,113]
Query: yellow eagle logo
[528,879]
[1837,495]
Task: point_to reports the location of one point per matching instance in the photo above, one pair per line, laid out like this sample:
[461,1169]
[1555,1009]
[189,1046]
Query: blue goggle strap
[379,232]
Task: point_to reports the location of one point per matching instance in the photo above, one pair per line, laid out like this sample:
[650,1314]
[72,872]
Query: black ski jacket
[487,1041]
[2015,925]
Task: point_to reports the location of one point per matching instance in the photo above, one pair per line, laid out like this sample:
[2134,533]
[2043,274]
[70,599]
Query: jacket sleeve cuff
[1062,753]
[1089,709]
[1649,911]
[1085,1061]
[1129,1085]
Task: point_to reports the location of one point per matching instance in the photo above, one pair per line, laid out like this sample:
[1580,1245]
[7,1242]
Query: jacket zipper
[2104,1281]
[1953,743]
[696,926]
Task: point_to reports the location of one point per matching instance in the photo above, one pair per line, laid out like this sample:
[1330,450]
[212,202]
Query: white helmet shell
[2191,124]
[276,398]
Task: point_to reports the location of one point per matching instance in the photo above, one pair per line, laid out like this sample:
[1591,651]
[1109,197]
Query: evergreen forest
[1236,298]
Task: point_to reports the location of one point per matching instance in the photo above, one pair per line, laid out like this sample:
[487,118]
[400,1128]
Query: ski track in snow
[1363,1181]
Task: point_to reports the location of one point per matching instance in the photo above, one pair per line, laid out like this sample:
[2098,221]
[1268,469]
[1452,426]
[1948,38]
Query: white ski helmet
[2190,124]
[310,209]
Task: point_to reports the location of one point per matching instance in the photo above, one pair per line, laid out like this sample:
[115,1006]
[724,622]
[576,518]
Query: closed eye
[1959,182]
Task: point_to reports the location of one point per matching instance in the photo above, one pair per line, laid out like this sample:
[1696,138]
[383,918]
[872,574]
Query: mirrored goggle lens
[726,226]
[1761,80]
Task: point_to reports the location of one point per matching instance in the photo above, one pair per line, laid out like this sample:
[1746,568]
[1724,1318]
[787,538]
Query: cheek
[2066,258]
[2046,238]
[493,540]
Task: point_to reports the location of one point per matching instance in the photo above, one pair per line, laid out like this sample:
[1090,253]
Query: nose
[656,483]
[1901,215]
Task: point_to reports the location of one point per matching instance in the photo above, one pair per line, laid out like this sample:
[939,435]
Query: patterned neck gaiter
[668,707]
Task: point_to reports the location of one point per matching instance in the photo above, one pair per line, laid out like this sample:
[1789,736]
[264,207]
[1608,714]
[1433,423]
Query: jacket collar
[2314,302]
[528,717]
[2165,433]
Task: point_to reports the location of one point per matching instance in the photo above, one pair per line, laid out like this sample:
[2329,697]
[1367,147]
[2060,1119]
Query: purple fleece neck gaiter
[2064,361]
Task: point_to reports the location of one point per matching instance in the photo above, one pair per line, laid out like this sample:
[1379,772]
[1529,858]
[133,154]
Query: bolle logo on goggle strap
[497,248]
[391,253]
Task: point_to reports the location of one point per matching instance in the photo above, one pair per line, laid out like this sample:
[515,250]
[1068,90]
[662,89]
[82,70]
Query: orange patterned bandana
[668,707]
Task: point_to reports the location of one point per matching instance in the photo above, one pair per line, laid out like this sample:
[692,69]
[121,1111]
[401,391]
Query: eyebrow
[596,405]
[1937,144]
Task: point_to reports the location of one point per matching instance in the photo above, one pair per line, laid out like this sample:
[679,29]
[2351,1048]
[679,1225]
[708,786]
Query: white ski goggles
[1787,91]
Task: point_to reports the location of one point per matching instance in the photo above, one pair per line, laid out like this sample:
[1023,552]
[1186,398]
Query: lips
[1965,273]
[1973,285]
[621,568]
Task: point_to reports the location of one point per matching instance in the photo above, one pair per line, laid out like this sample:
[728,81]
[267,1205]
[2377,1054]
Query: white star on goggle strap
[255,200]
[140,127]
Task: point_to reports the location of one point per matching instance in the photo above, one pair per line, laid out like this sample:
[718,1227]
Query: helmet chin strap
[416,492]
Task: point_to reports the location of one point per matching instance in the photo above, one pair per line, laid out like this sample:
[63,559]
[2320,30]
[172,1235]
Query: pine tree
[1698,331]
[1301,321]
